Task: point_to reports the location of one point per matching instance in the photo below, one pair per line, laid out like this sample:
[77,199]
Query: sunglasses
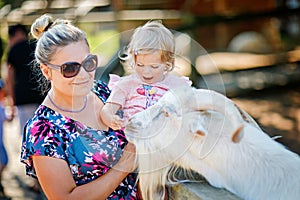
[71,69]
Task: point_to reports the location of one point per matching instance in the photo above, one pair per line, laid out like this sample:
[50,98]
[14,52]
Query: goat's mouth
[130,129]
[134,133]
[133,130]
[136,130]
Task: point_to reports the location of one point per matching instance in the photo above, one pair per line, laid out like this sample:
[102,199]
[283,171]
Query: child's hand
[116,122]
[111,116]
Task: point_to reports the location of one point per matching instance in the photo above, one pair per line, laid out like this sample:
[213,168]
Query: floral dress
[90,153]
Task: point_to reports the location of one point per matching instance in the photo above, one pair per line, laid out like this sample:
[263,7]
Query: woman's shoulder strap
[101,89]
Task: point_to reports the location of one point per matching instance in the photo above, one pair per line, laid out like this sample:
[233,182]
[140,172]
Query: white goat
[165,135]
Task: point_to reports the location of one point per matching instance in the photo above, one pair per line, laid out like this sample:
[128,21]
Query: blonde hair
[53,34]
[152,37]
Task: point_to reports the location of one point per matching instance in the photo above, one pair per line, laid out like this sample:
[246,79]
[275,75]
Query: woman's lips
[81,83]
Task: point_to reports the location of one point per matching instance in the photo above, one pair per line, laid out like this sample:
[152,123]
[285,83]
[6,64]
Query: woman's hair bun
[44,23]
[41,25]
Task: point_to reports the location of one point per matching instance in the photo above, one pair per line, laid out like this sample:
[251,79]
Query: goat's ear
[196,127]
[238,135]
[196,124]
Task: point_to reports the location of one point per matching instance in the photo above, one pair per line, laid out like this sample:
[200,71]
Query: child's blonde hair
[153,37]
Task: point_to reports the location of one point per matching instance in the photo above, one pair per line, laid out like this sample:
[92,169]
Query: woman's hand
[51,171]
[116,122]
[127,162]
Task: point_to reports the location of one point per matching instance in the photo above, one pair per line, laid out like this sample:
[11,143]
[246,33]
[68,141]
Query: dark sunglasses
[71,69]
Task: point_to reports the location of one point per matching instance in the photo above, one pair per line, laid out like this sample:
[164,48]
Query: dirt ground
[16,183]
[277,111]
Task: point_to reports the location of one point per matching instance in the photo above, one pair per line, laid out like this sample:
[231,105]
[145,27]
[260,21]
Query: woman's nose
[83,72]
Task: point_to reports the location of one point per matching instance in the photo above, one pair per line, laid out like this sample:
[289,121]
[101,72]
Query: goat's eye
[166,114]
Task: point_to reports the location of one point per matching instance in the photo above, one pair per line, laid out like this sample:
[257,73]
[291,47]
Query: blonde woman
[65,146]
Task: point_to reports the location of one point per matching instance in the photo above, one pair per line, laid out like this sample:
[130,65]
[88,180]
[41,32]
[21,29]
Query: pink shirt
[134,95]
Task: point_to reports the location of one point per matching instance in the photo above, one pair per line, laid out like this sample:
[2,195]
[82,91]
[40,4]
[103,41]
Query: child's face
[149,67]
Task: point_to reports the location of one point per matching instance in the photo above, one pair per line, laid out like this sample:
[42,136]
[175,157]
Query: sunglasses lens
[70,69]
[90,63]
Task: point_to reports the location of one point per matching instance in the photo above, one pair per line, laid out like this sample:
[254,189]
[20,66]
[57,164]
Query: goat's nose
[134,123]
[139,124]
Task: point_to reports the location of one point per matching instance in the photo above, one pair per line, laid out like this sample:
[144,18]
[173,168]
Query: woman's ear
[46,71]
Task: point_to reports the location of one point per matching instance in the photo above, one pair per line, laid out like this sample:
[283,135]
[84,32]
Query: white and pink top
[133,95]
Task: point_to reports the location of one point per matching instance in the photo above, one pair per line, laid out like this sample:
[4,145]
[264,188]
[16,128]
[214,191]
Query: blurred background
[248,50]
[212,36]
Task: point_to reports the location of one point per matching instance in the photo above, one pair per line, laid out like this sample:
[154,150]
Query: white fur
[256,168]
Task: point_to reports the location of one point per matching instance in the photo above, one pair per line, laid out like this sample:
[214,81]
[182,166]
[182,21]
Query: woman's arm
[10,88]
[57,182]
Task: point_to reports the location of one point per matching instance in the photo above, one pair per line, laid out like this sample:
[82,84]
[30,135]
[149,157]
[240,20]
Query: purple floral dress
[90,153]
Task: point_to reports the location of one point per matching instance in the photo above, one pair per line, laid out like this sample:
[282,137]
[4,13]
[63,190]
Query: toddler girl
[151,54]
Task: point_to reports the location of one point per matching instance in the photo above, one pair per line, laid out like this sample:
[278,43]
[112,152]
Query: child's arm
[110,118]
[115,102]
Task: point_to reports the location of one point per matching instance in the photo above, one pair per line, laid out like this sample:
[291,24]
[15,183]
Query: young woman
[71,152]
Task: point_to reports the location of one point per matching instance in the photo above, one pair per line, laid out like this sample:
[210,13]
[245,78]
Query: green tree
[13,3]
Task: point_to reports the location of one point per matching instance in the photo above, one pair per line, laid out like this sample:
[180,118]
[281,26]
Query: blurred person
[3,118]
[22,82]
[1,51]
[3,152]
[65,145]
